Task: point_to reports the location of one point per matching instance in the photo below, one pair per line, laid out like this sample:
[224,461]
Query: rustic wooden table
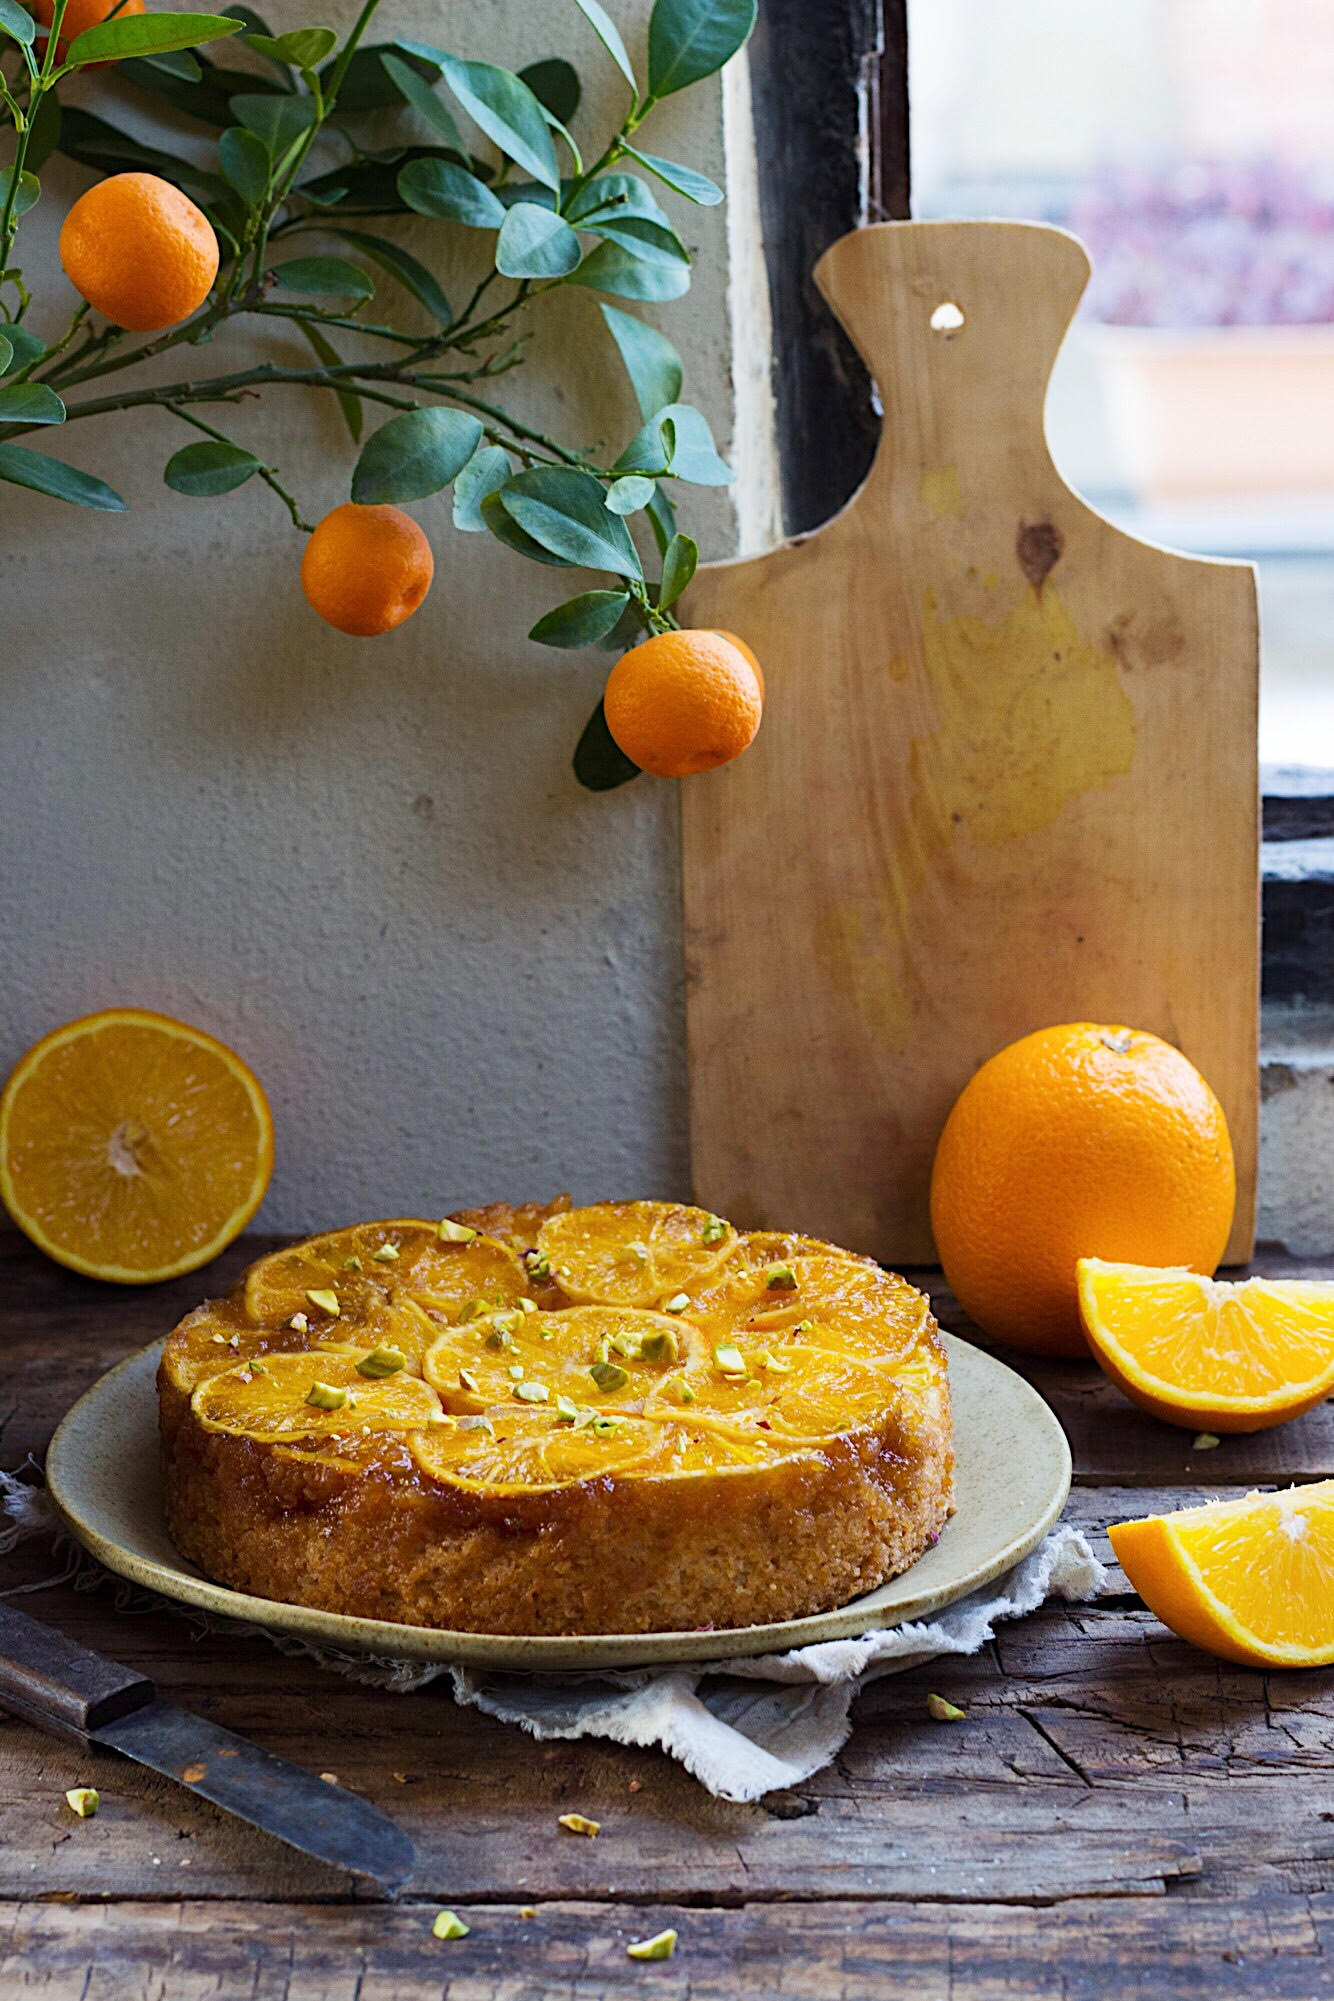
[1118,1815]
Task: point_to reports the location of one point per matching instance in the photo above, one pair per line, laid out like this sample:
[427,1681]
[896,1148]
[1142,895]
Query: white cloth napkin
[743,1728]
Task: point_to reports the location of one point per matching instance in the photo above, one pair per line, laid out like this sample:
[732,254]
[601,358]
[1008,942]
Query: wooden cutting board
[1007,774]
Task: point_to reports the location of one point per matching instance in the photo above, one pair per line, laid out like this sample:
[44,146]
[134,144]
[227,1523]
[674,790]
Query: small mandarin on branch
[366,569]
[139,251]
[683,702]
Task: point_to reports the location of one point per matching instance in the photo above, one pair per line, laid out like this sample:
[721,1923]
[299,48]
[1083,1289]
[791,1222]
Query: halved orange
[633,1253]
[1251,1580]
[133,1147]
[1209,1355]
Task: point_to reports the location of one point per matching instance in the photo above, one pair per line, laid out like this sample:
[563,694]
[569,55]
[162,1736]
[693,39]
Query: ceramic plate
[1013,1474]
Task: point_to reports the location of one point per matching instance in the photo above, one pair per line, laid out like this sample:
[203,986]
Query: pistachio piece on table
[661,1946]
[83,1800]
[448,1924]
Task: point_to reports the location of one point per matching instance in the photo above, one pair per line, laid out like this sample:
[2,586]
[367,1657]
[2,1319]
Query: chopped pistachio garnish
[578,1823]
[352,1264]
[661,1946]
[382,1362]
[767,1360]
[677,1303]
[221,1339]
[547,1334]
[803,1327]
[531,1392]
[83,1800]
[714,1230]
[639,1251]
[780,1278]
[476,1309]
[609,1375]
[681,1390]
[440,1417]
[235,1341]
[326,1396]
[527,1305]
[943,1711]
[538,1263]
[1205,1441]
[566,1411]
[480,1423]
[729,1359]
[257,1368]
[448,1924]
[499,1338]
[326,1300]
[468,1381]
[625,1344]
[602,1427]
[386,1255]
[660,1347]
[454,1233]
[299,1323]
[516,1372]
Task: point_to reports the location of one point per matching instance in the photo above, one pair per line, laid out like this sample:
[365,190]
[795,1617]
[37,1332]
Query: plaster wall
[365,864]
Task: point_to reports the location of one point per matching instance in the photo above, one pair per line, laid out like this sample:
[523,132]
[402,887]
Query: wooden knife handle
[58,1685]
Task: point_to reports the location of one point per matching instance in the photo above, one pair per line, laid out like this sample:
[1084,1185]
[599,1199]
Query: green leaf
[684,180]
[44,135]
[507,530]
[146,35]
[502,107]
[18,22]
[24,347]
[600,764]
[209,468]
[691,39]
[651,362]
[278,122]
[244,161]
[415,89]
[413,277]
[678,567]
[534,243]
[366,85]
[564,509]
[438,188]
[6,354]
[414,455]
[662,519]
[47,475]
[555,85]
[30,403]
[304,48]
[324,277]
[609,35]
[612,268]
[30,189]
[582,620]
[349,404]
[628,495]
[614,196]
[693,456]
[97,144]
[652,242]
[485,473]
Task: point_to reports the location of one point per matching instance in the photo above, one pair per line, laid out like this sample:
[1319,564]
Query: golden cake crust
[685,1493]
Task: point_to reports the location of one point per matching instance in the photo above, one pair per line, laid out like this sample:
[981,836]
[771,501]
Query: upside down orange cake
[618,1419]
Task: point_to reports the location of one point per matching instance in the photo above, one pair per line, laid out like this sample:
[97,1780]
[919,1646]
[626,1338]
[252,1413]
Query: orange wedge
[133,1147]
[1251,1580]
[1207,1355]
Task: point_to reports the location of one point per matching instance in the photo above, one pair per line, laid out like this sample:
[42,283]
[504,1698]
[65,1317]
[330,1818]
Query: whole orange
[683,702]
[139,251]
[1082,1141]
[747,651]
[79,15]
[366,569]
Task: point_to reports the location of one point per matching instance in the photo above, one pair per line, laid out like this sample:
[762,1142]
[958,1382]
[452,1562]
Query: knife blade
[54,1683]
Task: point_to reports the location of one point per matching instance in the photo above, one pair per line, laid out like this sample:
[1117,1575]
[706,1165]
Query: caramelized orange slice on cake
[1207,1355]
[1251,1579]
[526,1448]
[756,1250]
[843,1303]
[774,1395]
[598,1357]
[349,1275]
[633,1253]
[311,1396]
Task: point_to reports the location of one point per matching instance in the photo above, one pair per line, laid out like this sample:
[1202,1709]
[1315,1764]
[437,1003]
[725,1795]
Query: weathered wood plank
[1274,1949]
